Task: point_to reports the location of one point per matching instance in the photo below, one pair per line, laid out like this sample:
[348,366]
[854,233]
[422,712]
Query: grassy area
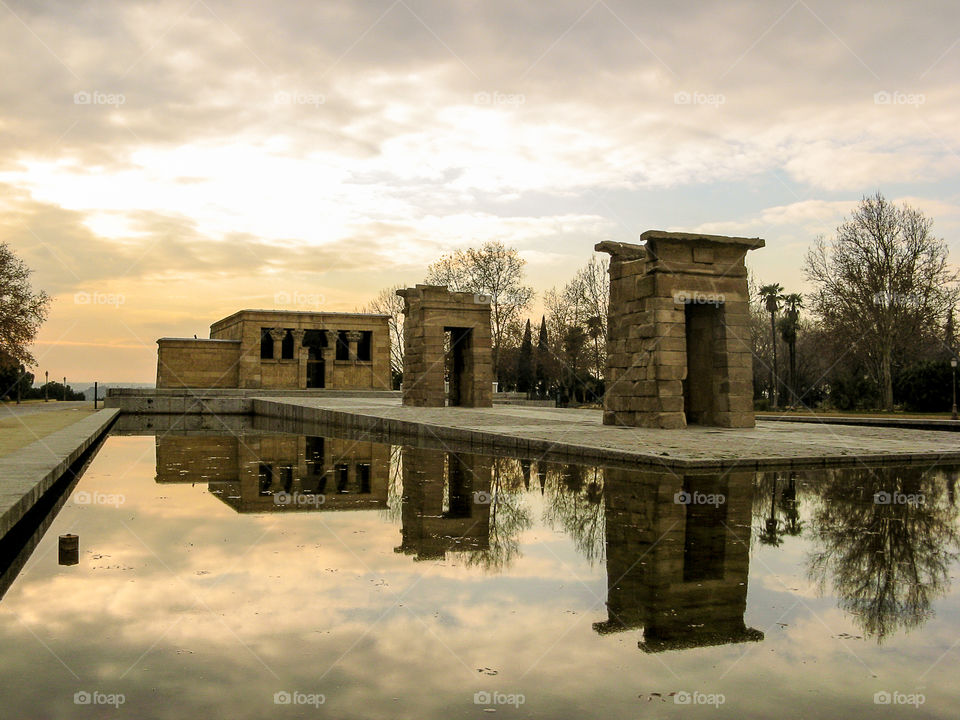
[16,433]
[856,413]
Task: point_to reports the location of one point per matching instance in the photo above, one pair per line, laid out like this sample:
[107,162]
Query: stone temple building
[275,349]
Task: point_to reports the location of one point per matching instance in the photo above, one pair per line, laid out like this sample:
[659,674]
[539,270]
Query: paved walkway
[580,433]
[11,409]
[28,423]
[27,474]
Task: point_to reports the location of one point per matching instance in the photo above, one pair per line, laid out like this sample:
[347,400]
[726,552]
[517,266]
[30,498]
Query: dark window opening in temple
[343,347]
[365,346]
[266,344]
[315,340]
[286,347]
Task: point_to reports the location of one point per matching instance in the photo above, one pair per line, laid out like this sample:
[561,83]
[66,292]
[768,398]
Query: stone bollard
[69,549]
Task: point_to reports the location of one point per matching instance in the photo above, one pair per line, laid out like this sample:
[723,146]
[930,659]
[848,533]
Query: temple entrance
[704,324]
[316,372]
[315,341]
[459,367]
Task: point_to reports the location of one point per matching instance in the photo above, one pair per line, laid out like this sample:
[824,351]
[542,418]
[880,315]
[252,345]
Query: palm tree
[788,331]
[772,295]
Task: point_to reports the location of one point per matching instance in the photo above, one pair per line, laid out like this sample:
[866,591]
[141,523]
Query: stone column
[301,354]
[277,334]
[329,354]
[353,337]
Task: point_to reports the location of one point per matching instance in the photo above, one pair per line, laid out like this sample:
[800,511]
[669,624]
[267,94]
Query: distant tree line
[879,331]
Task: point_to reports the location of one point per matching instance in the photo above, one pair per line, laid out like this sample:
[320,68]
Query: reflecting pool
[245,572]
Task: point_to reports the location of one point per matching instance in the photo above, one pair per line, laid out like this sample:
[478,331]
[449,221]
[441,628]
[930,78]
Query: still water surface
[257,574]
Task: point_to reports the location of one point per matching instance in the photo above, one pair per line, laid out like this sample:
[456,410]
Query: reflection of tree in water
[777,507]
[509,516]
[886,562]
[575,506]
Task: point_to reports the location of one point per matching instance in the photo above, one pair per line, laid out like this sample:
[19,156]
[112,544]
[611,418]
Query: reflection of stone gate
[446,502]
[678,557]
[430,312]
[678,336]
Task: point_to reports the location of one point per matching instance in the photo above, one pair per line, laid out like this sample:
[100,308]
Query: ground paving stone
[581,433]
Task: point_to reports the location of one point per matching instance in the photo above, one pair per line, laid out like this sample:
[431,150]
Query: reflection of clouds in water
[284,585]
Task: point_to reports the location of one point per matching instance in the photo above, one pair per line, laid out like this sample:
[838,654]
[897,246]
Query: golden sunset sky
[163,164]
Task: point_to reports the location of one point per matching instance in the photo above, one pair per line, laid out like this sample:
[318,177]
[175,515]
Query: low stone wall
[233,401]
[887,422]
[213,401]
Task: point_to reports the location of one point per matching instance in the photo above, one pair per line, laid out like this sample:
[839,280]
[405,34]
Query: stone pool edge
[356,419]
[30,472]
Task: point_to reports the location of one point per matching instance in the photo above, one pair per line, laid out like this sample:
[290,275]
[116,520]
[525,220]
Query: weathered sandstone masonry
[270,349]
[430,312]
[678,340]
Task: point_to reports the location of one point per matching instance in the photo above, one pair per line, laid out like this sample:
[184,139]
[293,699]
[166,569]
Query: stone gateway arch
[678,334]
[446,335]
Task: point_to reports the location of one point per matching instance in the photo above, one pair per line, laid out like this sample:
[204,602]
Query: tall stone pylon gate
[678,336]
[430,312]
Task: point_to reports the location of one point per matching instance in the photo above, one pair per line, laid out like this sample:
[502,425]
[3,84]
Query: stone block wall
[654,290]
[194,363]
[429,312]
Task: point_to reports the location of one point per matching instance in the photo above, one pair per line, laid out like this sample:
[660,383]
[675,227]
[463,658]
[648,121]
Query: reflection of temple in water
[247,472]
[446,502]
[678,569]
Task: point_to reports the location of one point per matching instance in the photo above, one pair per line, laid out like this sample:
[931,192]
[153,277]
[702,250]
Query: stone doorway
[459,367]
[704,327]
[316,372]
[316,343]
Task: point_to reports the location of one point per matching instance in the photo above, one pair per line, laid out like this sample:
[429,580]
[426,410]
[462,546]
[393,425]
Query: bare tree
[493,270]
[387,302]
[583,303]
[22,311]
[881,284]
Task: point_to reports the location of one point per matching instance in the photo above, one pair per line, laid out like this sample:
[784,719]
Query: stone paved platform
[580,435]
[25,475]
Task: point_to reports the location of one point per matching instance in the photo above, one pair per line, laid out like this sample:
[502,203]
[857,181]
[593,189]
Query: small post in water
[69,549]
[94,394]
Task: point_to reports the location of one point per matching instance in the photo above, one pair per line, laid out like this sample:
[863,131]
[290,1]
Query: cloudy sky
[163,164]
